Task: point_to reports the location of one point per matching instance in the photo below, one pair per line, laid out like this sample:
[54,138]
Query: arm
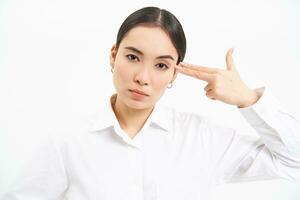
[44,177]
[275,154]
[234,157]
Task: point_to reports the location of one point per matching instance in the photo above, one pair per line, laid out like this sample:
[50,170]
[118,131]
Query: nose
[142,76]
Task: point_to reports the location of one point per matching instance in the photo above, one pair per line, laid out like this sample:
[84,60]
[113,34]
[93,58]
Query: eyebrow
[141,53]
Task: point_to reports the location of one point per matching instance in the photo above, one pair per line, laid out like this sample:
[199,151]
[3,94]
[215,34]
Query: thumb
[229,60]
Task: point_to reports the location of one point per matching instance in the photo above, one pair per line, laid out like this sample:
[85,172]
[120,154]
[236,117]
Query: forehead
[151,40]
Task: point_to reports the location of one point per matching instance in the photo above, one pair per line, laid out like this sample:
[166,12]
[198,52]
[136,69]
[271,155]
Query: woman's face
[144,62]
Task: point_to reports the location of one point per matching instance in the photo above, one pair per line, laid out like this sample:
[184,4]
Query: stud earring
[112,70]
[170,85]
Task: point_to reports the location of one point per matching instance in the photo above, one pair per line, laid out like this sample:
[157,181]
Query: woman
[136,149]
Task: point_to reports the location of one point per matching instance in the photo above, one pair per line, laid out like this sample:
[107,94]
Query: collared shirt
[175,156]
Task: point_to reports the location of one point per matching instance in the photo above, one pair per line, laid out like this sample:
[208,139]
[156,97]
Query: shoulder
[65,139]
[185,118]
[187,121]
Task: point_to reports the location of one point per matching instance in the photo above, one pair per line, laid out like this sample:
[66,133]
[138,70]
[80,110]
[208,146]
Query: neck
[131,120]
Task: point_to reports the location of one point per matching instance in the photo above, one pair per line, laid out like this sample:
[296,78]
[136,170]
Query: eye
[162,66]
[132,57]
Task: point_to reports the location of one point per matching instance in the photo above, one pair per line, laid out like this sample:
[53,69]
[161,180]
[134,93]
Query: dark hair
[158,17]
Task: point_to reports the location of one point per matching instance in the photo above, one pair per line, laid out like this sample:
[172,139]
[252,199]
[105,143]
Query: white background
[54,68]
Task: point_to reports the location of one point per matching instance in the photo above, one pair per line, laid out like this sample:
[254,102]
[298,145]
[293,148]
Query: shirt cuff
[263,110]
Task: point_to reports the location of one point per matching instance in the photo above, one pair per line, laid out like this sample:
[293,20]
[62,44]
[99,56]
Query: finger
[210,94]
[229,60]
[208,87]
[196,74]
[199,68]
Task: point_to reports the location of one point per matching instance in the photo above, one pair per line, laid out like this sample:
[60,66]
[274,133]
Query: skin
[224,85]
[146,72]
[143,71]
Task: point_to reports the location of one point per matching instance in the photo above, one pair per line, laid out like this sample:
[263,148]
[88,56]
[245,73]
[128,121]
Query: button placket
[135,165]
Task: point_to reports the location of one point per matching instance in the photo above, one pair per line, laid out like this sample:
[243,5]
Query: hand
[223,84]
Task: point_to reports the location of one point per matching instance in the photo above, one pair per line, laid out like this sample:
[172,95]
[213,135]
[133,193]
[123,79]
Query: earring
[112,70]
[170,85]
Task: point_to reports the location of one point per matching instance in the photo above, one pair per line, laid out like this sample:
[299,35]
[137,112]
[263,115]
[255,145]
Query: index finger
[195,73]
[199,67]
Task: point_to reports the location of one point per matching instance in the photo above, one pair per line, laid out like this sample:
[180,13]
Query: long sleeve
[275,154]
[43,177]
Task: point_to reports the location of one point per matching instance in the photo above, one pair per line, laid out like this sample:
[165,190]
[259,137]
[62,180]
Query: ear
[113,54]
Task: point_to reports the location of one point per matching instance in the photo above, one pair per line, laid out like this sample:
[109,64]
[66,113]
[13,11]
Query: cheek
[122,73]
[160,82]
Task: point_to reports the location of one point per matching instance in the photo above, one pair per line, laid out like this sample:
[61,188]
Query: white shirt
[175,156]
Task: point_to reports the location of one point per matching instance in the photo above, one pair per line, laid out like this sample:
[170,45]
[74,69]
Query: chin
[137,104]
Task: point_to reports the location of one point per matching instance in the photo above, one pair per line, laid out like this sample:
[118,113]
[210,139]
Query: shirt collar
[161,116]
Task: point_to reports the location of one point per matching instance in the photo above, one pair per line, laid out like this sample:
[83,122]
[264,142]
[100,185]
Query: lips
[139,92]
